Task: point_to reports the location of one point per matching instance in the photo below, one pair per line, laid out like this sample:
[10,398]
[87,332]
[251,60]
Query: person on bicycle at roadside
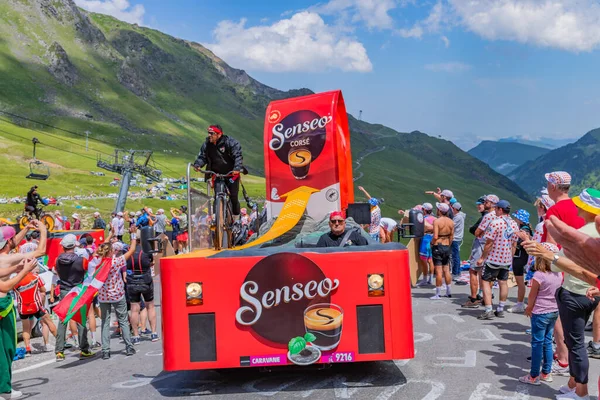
[33,198]
[223,154]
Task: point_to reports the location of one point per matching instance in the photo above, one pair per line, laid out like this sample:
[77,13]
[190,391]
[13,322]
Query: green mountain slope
[135,87]
[581,159]
[504,157]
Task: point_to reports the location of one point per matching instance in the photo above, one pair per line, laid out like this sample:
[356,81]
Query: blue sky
[463,70]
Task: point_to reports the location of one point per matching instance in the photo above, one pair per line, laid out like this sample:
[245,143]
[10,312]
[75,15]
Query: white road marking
[34,366]
[154,353]
[468,361]
[139,382]
[318,385]
[422,337]
[437,389]
[430,319]
[250,386]
[477,335]
[345,390]
[481,393]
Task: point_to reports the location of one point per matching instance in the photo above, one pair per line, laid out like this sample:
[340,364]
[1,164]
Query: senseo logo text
[270,298]
[281,133]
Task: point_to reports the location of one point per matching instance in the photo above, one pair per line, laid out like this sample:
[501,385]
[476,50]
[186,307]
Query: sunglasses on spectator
[336,221]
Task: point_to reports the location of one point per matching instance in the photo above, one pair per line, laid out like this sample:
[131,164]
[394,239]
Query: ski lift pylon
[37,169]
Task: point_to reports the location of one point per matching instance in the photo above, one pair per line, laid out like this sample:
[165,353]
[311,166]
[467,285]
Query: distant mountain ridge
[505,156]
[581,159]
[544,142]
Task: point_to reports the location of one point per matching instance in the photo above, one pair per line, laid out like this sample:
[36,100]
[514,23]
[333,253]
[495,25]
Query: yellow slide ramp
[293,209]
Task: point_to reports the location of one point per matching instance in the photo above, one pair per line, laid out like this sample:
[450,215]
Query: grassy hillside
[504,157]
[581,159]
[135,87]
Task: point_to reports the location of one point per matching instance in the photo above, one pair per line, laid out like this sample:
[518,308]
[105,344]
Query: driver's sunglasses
[210,133]
[336,221]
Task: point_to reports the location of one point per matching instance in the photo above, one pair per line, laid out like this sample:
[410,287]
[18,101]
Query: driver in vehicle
[33,198]
[339,236]
[222,154]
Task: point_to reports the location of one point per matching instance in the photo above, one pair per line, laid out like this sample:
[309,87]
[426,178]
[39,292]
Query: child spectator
[543,310]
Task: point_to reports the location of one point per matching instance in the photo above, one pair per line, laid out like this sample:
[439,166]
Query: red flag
[77,302]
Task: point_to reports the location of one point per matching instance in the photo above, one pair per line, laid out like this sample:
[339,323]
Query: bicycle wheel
[228,227]
[23,221]
[48,221]
[219,223]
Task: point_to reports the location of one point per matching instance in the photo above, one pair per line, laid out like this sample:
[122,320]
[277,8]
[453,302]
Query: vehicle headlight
[193,291]
[375,282]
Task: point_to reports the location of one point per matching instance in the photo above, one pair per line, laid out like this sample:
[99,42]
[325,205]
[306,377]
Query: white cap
[119,214]
[96,214]
[427,206]
[150,210]
[443,207]
[447,193]
[492,198]
[69,241]
[75,216]
[160,211]
[138,213]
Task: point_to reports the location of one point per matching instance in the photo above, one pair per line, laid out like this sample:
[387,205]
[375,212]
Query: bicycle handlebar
[227,175]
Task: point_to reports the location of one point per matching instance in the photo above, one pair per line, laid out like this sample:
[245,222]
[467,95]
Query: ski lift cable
[65,130]
[77,144]
[47,145]
[66,151]
[53,135]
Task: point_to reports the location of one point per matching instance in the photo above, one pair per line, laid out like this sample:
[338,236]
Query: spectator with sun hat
[76,222]
[558,185]
[444,196]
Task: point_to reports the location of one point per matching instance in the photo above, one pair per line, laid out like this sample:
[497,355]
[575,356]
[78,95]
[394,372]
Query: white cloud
[437,19]
[120,9]
[446,41]
[572,25]
[373,13]
[414,32]
[448,67]
[303,42]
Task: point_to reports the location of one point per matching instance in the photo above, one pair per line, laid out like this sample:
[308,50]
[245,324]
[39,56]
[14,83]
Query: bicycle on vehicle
[38,214]
[222,224]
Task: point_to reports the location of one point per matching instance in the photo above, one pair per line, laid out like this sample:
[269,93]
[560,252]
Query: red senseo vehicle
[264,307]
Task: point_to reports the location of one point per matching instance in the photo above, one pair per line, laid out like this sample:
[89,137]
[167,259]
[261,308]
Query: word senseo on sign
[307,143]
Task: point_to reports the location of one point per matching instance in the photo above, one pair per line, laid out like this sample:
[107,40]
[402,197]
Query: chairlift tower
[125,163]
[360,115]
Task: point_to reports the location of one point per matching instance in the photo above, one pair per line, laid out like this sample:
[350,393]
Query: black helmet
[183,208]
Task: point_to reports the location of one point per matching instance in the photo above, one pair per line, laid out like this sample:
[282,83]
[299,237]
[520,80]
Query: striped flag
[77,302]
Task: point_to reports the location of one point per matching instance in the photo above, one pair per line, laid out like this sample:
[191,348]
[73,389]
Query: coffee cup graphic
[324,321]
[299,161]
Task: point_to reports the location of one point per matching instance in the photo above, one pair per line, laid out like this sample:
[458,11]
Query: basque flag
[77,302]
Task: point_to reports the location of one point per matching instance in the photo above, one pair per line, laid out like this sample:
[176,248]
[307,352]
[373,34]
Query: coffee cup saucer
[314,357]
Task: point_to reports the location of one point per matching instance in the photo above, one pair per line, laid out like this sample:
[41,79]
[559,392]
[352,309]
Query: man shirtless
[22,264]
[441,249]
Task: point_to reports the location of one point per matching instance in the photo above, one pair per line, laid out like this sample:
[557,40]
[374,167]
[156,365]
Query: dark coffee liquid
[326,325]
[299,161]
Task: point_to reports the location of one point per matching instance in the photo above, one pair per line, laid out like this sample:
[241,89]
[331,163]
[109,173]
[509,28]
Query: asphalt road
[458,357]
